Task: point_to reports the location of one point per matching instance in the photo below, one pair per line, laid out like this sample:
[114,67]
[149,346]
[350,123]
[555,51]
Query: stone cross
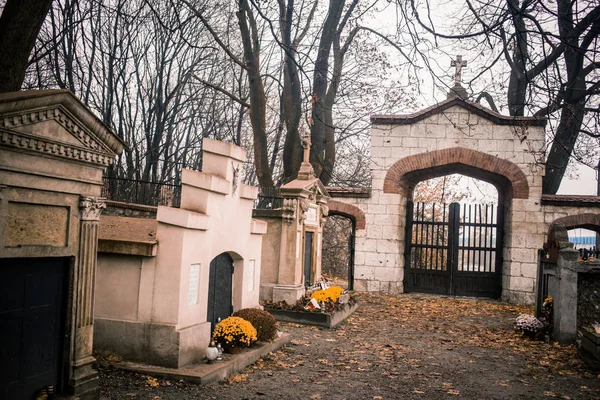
[306,144]
[306,170]
[459,64]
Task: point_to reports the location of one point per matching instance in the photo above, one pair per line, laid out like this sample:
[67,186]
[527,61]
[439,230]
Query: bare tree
[551,50]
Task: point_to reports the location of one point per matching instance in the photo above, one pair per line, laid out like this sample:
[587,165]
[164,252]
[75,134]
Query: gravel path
[405,347]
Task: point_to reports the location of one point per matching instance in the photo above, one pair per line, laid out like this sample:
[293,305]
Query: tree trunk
[257,93]
[292,98]
[517,86]
[20,24]
[320,84]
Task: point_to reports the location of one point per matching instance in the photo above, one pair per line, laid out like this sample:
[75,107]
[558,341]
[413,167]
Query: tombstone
[52,154]
[163,282]
[292,251]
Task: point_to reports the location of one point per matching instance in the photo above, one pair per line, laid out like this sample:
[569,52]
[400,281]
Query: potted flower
[234,334]
[528,325]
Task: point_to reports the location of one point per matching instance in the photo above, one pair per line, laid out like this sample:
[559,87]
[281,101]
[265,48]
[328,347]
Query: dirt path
[406,347]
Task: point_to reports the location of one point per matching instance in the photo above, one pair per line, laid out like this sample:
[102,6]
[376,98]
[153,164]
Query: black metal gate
[454,249]
[32,311]
[220,284]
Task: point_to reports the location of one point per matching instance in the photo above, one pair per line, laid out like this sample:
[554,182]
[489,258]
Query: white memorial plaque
[311,216]
[194,284]
[251,275]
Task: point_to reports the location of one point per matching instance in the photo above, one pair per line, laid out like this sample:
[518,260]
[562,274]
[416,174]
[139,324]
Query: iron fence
[269,198]
[141,192]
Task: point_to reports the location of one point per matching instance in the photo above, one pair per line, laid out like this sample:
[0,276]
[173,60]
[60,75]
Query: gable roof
[475,108]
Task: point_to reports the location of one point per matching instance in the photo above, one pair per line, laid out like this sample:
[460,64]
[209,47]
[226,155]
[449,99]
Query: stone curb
[203,373]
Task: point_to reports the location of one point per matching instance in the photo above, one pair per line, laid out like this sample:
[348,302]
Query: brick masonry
[455,136]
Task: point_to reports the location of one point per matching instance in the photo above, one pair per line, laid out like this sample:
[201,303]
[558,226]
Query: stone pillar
[289,286]
[565,300]
[84,380]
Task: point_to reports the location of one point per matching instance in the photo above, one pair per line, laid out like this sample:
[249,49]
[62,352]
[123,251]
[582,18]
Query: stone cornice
[40,144]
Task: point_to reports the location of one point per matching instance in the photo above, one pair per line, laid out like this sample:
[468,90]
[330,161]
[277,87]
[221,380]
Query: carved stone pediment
[55,123]
[312,189]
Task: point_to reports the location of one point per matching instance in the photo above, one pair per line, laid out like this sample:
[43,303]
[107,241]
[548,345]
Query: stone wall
[588,299]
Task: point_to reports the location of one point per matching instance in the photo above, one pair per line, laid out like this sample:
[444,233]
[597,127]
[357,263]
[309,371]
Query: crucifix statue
[459,64]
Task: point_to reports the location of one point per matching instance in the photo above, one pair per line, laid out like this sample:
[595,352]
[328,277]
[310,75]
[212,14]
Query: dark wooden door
[454,249]
[220,289]
[308,261]
[31,325]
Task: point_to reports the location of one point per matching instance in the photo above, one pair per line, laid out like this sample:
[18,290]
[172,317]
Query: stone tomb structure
[163,282]
[291,254]
[53,151]
[455,136]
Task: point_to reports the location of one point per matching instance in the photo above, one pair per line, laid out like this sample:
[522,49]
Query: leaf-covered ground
[405,347]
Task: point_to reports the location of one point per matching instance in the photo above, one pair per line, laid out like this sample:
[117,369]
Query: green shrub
[263,322]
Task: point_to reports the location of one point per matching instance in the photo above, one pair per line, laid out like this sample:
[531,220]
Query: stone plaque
[311,215]
[36,224]
[194,284]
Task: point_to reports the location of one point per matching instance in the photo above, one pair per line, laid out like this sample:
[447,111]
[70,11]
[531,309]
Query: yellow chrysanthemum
[330,294]
[234,331]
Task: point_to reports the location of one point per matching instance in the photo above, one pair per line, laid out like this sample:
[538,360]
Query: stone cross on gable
[459,64]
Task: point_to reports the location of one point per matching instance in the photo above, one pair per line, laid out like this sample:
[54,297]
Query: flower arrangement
[528,325]
[331,294]
[234,332]
[262,321]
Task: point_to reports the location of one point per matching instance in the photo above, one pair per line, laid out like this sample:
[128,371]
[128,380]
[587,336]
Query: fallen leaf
[315,396]
[454,392]
[150,381]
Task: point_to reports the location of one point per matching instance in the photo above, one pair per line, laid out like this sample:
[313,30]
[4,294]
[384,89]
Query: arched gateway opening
[455,248]
[339,237]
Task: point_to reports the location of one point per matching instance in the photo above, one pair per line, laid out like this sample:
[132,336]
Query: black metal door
[31,325]
[220,289]
[308,261]
[454,249]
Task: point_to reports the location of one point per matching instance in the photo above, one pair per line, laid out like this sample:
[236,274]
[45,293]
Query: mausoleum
[53,151]
[163,282]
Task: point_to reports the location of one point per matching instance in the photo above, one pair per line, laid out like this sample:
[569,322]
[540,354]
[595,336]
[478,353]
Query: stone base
[155,344]
[288,293]
[85,382]
[326,320]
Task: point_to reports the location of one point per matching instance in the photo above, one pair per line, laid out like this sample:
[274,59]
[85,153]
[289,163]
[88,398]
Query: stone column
[565,300]
[84,379]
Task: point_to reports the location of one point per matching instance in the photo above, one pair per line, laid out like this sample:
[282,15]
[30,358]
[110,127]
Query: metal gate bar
[454,249]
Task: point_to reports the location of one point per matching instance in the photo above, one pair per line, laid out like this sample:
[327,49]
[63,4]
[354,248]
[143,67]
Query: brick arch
[406,173]
[348,210]
[586,220]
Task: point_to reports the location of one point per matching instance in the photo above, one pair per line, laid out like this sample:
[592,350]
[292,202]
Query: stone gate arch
[358,220]
[348,210]
[585,220]
[454,136]
[507,177]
